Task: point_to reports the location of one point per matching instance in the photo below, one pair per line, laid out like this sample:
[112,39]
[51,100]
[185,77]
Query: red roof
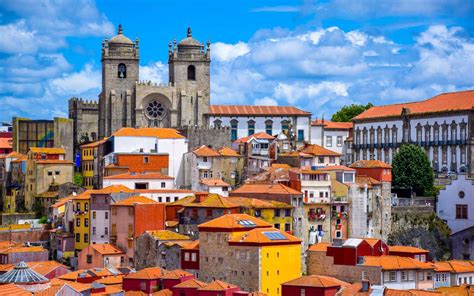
[255,110]
[317,150]
[142,175]
[371,164]
[332,124]
[336,168]
[161,133]
[442,103]
[214,183]
[260,136]
[316,281]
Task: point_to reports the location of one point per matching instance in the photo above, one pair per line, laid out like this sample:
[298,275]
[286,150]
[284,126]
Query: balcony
[204,165]
[341,199]
[259,151]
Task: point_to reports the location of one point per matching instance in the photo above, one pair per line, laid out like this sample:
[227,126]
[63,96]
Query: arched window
[454,129]
[191,72]
[122,71]
[218,123]
[251,127]
[269,127]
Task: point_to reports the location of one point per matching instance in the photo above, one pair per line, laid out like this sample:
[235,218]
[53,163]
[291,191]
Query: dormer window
[122,71]
[191,72]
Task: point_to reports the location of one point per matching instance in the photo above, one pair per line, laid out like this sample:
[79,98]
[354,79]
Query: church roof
[22,274]
[189,40]
[120,38]
[255,110]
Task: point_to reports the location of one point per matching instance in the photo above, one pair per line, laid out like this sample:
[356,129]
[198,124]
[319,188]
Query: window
[89,259]
[78,238]
[421,276]
[106,215]
[186,256]
[57,173]
[277,225]
[461,211]
[328,141]
[209,212]
[332,159]
[114,211]
[285,126]
[141,185]
[86,222]
[302,292]
[163,184]
[93,215]
[287,227]
[106,231]
[191,72]
[300,135]
[86,206]
[218,123]
[93,230]
[86,237]
[339,141]
[233,128]
[277,212]
[429,276]
[50,173]
[338,234]
[321,159]
[146,159]
[287,212]
[78,222]
[251,127]
[122,71]
[269,127]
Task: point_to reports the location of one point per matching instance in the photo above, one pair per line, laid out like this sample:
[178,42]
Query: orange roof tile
[318,281]
[111,189]
[255,110]
[15,154]
[395,262]
[194,245]
[176,274]
[12,289]
[94,144]
[266,188]
[211,200]
[79,287]
[111,280]
[336,168]
[163,191]
[22,249]
[354,290]
[60,202]
[260,236]
[205,151]
[161,133]
[20,159]
[106,249]
[234,221]
[135,293]
[191,283]
[317,150]
[460,266]
[333,124]
[164,292]
[446,102]
[132,200]
[393,292]
[143,175]
[280,166]
[248,202]
[167,235]
[217,286]
[406,249]
[229,152]
[146,274]
[260,136]
[319,247]
[214,183]
[443,266]
[370,164]
[6,143]
[463,290]
[51,150]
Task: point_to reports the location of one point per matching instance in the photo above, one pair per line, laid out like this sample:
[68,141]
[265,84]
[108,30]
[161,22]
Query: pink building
[16,254]
[100,256]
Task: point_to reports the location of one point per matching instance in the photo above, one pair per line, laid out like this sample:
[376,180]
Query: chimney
[365,286]
[200,196]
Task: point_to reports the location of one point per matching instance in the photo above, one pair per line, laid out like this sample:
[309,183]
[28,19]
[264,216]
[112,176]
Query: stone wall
[146,253]
[320,264]
[8,219]
[172,259]
[85,117]
[198,136]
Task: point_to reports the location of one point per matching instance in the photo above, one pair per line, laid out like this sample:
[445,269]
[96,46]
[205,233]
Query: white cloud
[266,101]
[282,8]
[156,72]
[293,93]
[223,52]
[73,84]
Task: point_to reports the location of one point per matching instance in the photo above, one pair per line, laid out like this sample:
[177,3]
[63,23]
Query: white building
[259,150]
[455,203]
[165,195]
[329,134]
[216,186]
[144,180]
[157,140]
[247,120]
[441,125]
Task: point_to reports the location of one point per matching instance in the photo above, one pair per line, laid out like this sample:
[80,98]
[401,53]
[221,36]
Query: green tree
[78,179]
[412,169]
[349,111]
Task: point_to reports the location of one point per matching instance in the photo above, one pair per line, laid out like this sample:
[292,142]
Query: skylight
[247,223]
[275,235]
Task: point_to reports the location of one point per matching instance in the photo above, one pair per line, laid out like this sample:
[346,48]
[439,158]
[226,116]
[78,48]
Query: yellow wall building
[87,164]
[81,208]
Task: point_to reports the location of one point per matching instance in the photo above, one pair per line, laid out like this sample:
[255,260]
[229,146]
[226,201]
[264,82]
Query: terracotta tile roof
[161,133]
[6,143]
[406,249]
[214,183]
[370,164]
[212,200]
[333,124]
[205,151]
[111,189]
[361,181]
[52,150]
[109,290]
[317,150]
[460,266]
[336,168]
[167,235]
[146,274]
[8,244]
[53,161]
[135,293]
[106,249]
[143,175]
[94,144]
[463,290]
[111,280]
[371,241]
[194,245]
[259,136]
[176,274]
[260,236]
[132,200]
[229,152]
[395,263]
[163,191]
[266,188]
[234,221]
[446,102]
[20,159]
[280,166]
[61,202]
[183,201]
[12,289]
[255,110]
[191,283]
[248,202]
[354,290]
[164,292]
[79,287]
[15,154]
[393,292]
[217,286]
[319,247]
[318,281]
[22,249]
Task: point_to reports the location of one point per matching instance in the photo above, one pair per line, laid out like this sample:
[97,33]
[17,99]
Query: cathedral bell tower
[189,72]
[120,57]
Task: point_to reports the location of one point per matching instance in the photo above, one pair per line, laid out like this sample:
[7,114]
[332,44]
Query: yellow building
[248,250]
[81,209]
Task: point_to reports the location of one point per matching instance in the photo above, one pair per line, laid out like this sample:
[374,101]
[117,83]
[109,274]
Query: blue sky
[316,55]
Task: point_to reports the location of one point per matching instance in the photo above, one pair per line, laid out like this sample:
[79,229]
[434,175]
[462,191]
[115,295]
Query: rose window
[155,110]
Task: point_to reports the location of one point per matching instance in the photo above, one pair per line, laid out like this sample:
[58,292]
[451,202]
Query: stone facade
[85,115]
